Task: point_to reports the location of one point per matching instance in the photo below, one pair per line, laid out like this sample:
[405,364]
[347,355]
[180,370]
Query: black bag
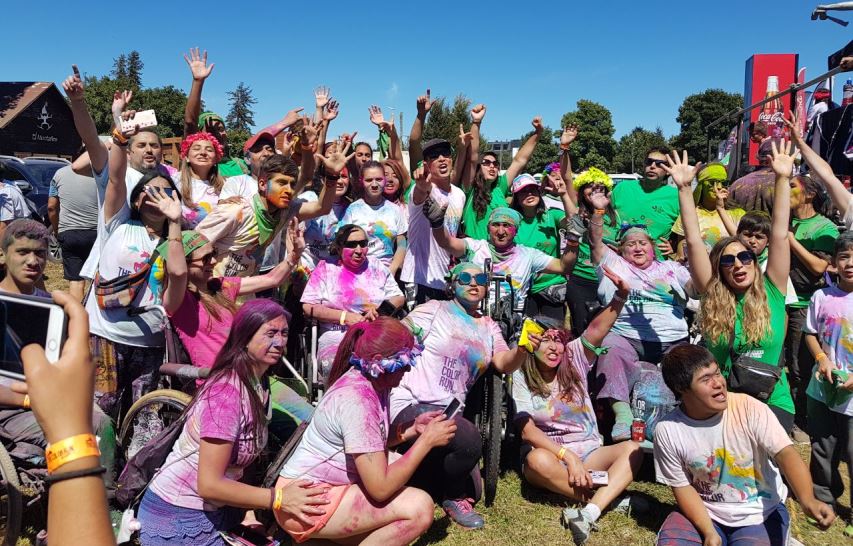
[144,465]
[750,376]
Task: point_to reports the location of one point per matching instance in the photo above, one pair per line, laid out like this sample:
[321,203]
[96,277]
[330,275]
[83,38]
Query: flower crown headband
[593,176]
[551,168]
[202,135]
[376,367]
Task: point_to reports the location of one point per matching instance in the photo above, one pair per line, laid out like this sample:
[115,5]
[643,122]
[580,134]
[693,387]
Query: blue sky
[639,59]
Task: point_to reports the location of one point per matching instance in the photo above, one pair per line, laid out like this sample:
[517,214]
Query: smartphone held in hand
[143,119]
[453,408]
[599,477]
[26,320]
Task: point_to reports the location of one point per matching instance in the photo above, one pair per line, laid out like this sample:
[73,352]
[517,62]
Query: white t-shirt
[204,197]
[126,247]
[351,418]
[727,459]
[523,264]
[12,203]
[382,223]
[320,231]
[848,216]
[458,348]
[830,318]
[657,300]
[426,263]
[242,185]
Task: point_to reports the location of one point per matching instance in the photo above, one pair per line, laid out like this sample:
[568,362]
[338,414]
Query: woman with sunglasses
[742,312]
[710,208]
[652,319]
[346,289]
[460,344]
[381,219]
[558,426]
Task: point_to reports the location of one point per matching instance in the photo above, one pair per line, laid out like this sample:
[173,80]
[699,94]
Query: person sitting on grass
[721,453]
[559,430]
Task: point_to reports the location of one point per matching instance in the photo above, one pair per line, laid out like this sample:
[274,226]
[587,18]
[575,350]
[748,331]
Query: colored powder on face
[346,256]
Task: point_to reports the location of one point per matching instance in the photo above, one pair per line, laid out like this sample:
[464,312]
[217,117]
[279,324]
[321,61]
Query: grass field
[522,515]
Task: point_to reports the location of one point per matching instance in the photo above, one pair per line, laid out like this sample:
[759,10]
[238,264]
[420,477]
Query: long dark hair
[148,176]
[540,206]
[234,360]
[482,190]
[586,209]
[571,389]
[385,336]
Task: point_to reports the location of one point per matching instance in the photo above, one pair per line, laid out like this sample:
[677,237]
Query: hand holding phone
[29,320]
[599,478]
[143,119]
[453,408]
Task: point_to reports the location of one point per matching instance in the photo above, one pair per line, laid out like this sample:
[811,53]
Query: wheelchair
[12,496]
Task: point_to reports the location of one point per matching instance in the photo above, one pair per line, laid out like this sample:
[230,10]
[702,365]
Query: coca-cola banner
[766,75]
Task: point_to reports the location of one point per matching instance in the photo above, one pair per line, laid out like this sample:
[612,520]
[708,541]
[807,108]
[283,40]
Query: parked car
[32,175]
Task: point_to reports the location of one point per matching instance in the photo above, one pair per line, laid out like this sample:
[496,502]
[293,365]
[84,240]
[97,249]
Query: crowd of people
[415,273]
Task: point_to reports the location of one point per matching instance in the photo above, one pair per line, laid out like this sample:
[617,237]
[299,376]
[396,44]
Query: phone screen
[25,322]
[452,408]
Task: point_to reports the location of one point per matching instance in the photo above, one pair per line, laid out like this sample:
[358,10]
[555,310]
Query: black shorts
[76,244]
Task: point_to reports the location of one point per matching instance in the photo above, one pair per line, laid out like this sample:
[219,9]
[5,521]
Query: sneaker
[621,431]
[631,504]
[576,521]
[799,436]
[462,512]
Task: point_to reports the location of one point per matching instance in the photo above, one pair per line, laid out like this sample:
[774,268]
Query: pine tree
[119,71]
[134,69]
[240,116]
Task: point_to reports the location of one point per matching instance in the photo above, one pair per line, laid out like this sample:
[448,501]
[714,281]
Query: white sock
[593,511]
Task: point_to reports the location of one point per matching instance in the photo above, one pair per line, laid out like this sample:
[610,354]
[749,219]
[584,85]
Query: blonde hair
[213,178]
[719,304]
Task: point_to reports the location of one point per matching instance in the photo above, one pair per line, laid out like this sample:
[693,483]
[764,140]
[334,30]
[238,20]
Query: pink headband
[195,137]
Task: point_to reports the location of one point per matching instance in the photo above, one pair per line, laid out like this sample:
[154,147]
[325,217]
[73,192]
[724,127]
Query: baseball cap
[263,136]
[436,146]
[522,181]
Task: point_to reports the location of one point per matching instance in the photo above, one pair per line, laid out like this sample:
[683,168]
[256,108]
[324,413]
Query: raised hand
[127,116]
[421,178]
[570,133]
[73,86]
[331,111]
[322,96]
[537,125]
[335,163]
[198,64]
[478,113]
[434,213]
[722,196]
[795,128]
[376,117]
[557,185]
[782,158]
[465,137]
[599,199]
[622,286]
[680,170]
[424,104]
[292,117]
[120,101]
[170,206]
[309,132]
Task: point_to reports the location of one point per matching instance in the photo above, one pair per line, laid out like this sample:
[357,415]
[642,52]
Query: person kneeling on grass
[558,424]
[721,453]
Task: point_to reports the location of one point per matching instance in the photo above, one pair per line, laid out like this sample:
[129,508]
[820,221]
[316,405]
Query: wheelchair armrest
[184,371]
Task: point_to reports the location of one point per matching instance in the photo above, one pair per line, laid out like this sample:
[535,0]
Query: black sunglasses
[482,279]
[746,257]
[488,163]
[656,162]
[352,244]
[207,258]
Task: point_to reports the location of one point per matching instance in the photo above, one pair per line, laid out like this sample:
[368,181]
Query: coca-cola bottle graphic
[773,112]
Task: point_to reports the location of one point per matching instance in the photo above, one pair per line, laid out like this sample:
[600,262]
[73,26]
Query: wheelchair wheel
[167,405]
[491,429]
[11,499]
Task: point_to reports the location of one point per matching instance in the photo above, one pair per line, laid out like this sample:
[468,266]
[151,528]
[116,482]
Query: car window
[11,174]
[42,173]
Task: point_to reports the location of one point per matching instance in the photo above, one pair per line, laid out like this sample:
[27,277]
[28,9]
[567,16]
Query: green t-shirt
[478,228]
[584,267]
[543,234]
[232,166]
[817,234]
[656,209]
[769,350]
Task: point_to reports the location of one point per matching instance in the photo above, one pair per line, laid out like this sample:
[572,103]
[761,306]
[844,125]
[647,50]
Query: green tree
[240,116]
[134,69]
[547,151]
[167,102]
[631,149]
[594,146]
[119,71]
[236,139]
[696,112]
[443,122]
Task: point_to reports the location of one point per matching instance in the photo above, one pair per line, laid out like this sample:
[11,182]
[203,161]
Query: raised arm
[523,156]
[779,251]
[416,154]
[83,122]
[332,167]
[176,261]
[700,263]
[570,133]
[477,115]
[200,71]
[728,223]
[115,195]
[604,321]
[841,198]
[600,201]
[463,151]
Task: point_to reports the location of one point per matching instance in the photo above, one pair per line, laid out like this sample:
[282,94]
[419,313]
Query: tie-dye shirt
[657,300]
[222,412]
[320,231]
[522,264]
[458,348]
[204,197]
[711,226]
[727,459]
[830,318]
[125,248]
[571,424]
[382,224]
[351,418]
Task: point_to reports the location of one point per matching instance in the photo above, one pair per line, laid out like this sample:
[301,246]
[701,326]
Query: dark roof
[15,97]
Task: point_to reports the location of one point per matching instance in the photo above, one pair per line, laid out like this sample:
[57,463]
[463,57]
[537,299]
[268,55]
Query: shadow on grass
[437,532]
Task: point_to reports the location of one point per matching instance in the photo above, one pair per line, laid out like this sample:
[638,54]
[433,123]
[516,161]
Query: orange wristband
[561,453]
[819,356]
[71,449]
[279,498]
[26,402]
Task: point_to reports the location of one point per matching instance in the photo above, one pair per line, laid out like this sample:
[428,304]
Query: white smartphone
[143,119]
[453,408]
[26,320]
[599,477]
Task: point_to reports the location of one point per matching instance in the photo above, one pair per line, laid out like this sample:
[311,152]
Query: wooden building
[35,119]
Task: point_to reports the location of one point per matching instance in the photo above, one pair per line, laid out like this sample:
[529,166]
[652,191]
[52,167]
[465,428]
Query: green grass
[523,515]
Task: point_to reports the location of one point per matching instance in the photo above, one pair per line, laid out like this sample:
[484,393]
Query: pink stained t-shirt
[201,334]
[221,412]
